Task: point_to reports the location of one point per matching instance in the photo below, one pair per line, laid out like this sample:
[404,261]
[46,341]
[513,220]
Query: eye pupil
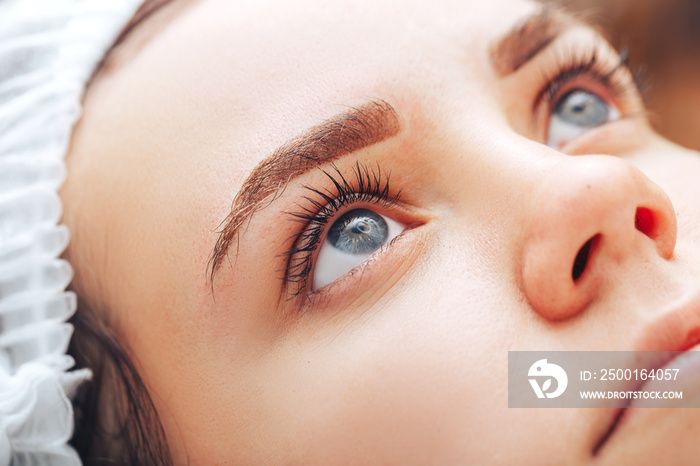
[360,226]
[582,108]
[359,231]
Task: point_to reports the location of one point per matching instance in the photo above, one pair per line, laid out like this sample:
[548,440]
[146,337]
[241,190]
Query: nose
[587,215]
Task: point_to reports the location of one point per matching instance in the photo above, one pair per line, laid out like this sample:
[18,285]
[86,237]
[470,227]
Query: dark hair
[115,418]
[116,421]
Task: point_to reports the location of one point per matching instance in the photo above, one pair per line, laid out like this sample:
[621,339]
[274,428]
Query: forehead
[309,16]
[257,73]
[266,55]
[321,34]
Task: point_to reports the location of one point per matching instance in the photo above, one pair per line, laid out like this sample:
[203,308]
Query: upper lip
[674,330]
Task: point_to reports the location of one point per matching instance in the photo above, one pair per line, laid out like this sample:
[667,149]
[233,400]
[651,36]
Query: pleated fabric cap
[48,51]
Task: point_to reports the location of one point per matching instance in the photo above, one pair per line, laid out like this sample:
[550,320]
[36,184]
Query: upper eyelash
[370,184]
[586,64]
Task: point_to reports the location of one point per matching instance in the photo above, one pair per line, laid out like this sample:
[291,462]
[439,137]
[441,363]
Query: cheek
[419,379]
[397,382]
[394,387]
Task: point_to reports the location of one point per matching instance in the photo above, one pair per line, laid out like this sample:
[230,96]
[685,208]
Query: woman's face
[427,174]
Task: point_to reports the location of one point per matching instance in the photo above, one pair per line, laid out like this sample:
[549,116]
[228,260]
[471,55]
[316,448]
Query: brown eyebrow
[341,135]
[528,38]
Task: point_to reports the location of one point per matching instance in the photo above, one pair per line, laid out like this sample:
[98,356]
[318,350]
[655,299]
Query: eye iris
[359,231]
[582,108]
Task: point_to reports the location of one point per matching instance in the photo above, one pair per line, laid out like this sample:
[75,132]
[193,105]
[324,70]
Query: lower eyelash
[370,185]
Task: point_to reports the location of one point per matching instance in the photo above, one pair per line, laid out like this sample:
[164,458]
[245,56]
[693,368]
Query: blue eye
[577,112]
[351,240]
[359,231]
[582,108]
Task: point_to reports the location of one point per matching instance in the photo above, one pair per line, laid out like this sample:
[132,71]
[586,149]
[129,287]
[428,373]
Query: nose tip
[589,214]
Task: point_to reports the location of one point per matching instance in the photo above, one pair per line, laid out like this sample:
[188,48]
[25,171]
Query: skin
[403,361]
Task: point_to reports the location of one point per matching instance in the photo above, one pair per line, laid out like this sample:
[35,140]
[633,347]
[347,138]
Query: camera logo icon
[546,371]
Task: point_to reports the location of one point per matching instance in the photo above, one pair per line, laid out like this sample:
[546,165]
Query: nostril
[581,260]
[644,222]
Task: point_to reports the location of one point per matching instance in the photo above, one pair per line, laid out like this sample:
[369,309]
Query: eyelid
[614,77]
[608,78]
